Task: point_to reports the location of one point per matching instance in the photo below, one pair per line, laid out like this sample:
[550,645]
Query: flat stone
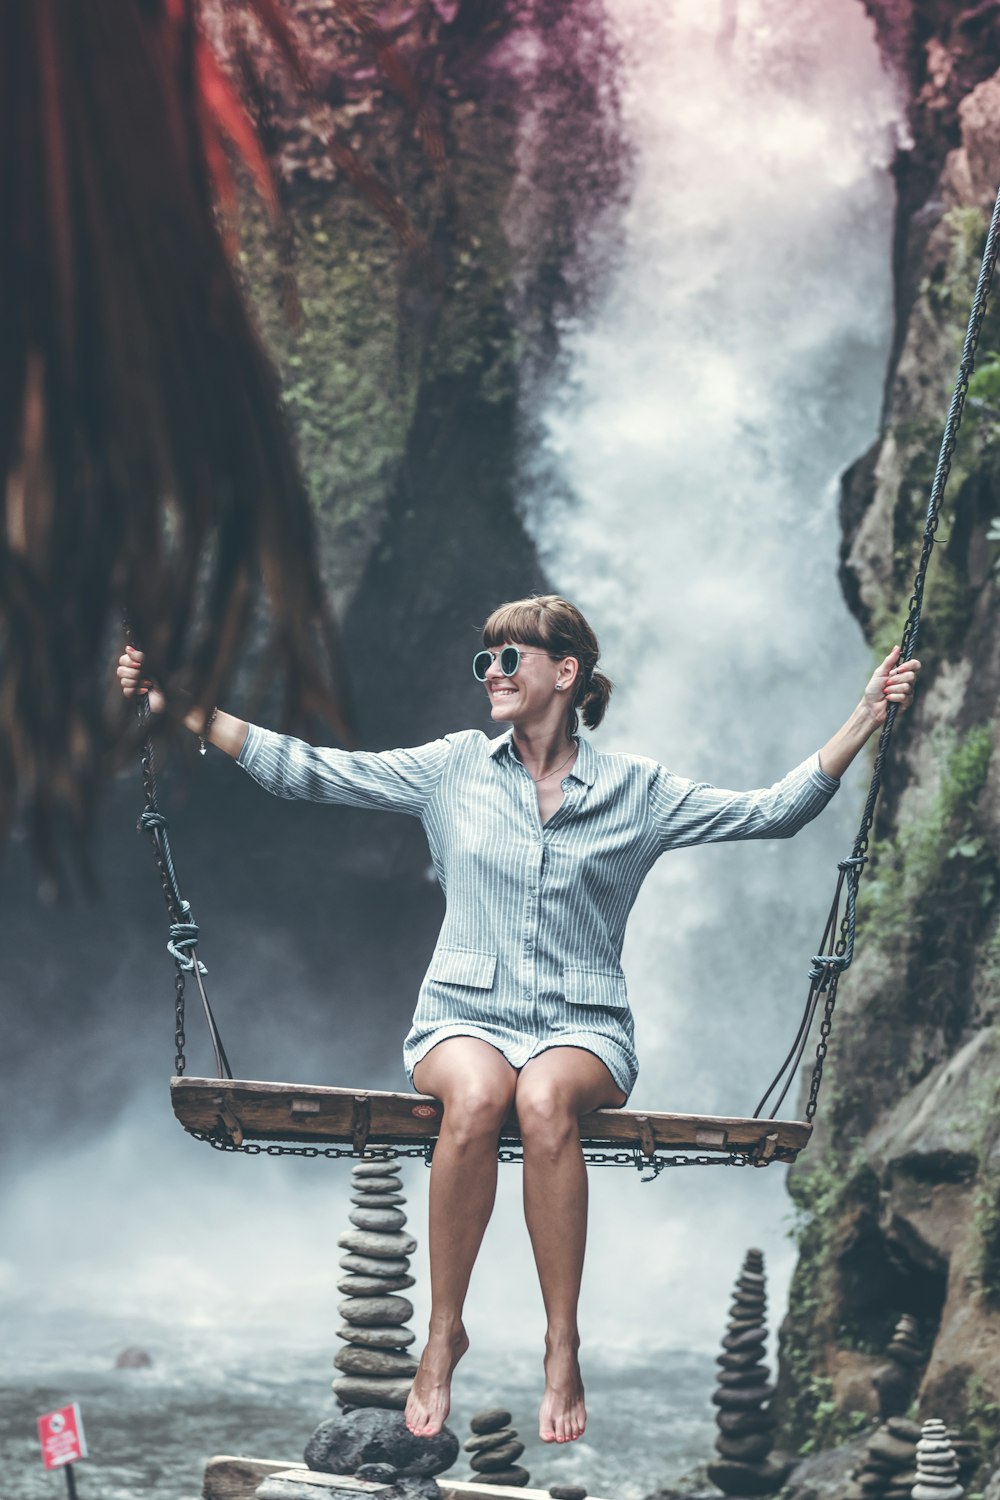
[342,1443]
[740,1361]
[902,1427]
[390,1183]
[383,1391]
[737,1400]
[373,1286]
[924,1491]
[738,1423]
[752,1280]
[374,1337]
[356,1360]
[755,1445]
[380,1166]
[750,1332]
[896,1449]
[487,1440]
[748,1479]
[377,1200]
[741,1340]
[368,1265]
[378,1473]
[514,1478]
[753,1375]
[567,1492]
[383,1220]
[380,1246]
[902,1354]
[492,1459]
[490,1420]
[371,1311]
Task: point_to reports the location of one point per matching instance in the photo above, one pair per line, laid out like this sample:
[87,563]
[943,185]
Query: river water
[679,478]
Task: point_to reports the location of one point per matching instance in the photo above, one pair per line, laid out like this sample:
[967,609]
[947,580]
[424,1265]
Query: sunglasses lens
[510,660]
[481,663]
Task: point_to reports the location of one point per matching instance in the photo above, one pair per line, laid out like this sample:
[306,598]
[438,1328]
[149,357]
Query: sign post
[61,1436]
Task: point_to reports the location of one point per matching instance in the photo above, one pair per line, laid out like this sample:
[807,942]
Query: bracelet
[206,730]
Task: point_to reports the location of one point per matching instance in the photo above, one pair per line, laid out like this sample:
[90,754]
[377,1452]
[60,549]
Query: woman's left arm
[892,682]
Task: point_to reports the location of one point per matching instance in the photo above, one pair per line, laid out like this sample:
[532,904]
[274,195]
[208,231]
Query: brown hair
[560,629]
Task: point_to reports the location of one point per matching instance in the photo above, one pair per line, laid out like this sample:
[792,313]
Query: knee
[546,1118]
[475,1110]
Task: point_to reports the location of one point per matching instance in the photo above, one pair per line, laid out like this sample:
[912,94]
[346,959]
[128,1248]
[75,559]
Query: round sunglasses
[510,659]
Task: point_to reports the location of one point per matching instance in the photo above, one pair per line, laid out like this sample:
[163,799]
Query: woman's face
[540,687]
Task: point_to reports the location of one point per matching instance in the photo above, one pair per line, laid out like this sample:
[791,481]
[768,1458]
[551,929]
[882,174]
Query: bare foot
[429,1401]
[562,1415]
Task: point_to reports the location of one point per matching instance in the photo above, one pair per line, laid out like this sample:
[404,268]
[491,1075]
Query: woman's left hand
[892,682]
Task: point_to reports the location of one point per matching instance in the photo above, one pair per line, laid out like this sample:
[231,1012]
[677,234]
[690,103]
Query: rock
[567,1492]
[753,1375]
[754,1445]
[886,1445]
[341,1444]
[488,1440]
[748,1338]
[902,1427]
[376,1336]
[371,1311]
[491,1459]
[377,1200]
[490,1420]
[377,1473]
[372,1286]
[387,1184]
[762,1478]
[369,1242]
[379,1219]
[410,1488]
[357,1360]
[133,1358]
[368,1265]
[737,1400]
[515,1478]
[741,1361]
[387,1166]
[737,1423]
[386,1391]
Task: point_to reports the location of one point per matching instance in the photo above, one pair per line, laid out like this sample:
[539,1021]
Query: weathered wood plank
[261,1111]
[238,1478]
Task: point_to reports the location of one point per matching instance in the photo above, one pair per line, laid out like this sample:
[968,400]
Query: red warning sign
[61,1436]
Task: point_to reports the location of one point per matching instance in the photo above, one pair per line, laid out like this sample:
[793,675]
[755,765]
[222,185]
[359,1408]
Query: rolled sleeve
[688,812]
[390,780]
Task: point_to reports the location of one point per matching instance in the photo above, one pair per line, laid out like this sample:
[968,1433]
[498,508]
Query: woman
[541,843]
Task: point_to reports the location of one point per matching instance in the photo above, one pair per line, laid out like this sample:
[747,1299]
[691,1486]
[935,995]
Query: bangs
[520,623]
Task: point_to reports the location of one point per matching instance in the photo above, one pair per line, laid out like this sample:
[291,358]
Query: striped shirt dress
[529,953]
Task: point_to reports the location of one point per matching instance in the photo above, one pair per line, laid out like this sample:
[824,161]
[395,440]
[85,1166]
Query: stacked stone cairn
[888,1470]
[376,1369]
[494,1449]
[895,1381]
[937,1465]
[746,1426]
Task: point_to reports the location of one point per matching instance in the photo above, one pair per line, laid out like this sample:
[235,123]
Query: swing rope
[828,966]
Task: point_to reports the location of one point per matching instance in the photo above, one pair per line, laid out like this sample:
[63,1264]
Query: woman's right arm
[224,731]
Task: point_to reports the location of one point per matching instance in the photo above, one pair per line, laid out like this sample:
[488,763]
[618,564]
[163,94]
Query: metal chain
[827,968]
[594,1155]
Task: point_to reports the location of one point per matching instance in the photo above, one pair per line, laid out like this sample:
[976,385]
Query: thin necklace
[537,779]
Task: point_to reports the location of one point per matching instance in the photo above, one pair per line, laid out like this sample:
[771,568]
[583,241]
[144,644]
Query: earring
[560,686]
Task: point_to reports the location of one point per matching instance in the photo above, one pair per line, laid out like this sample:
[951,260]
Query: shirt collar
[584,768]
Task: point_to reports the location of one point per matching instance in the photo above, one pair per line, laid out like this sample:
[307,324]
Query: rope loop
[151,819]
[184,936]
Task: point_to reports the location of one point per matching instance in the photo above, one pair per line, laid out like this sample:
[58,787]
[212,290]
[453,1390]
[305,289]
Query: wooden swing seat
[241,1110]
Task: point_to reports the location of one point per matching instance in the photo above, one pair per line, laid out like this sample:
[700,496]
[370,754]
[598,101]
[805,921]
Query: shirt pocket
[465,966]
[596,987]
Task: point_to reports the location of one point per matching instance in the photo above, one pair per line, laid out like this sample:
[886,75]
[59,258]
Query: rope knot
[149,819]
[183,937]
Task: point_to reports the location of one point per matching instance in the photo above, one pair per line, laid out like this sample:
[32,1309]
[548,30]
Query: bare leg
[475,1084]
[553,1091]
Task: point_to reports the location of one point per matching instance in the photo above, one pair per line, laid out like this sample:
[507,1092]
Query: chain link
[595,1156]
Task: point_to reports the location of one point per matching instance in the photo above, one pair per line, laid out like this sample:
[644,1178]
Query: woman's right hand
[132,681]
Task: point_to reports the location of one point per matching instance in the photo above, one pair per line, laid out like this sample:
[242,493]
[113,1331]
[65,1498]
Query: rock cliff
[899,1198]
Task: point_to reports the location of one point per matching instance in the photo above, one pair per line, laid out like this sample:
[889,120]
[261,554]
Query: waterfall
[681,486]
